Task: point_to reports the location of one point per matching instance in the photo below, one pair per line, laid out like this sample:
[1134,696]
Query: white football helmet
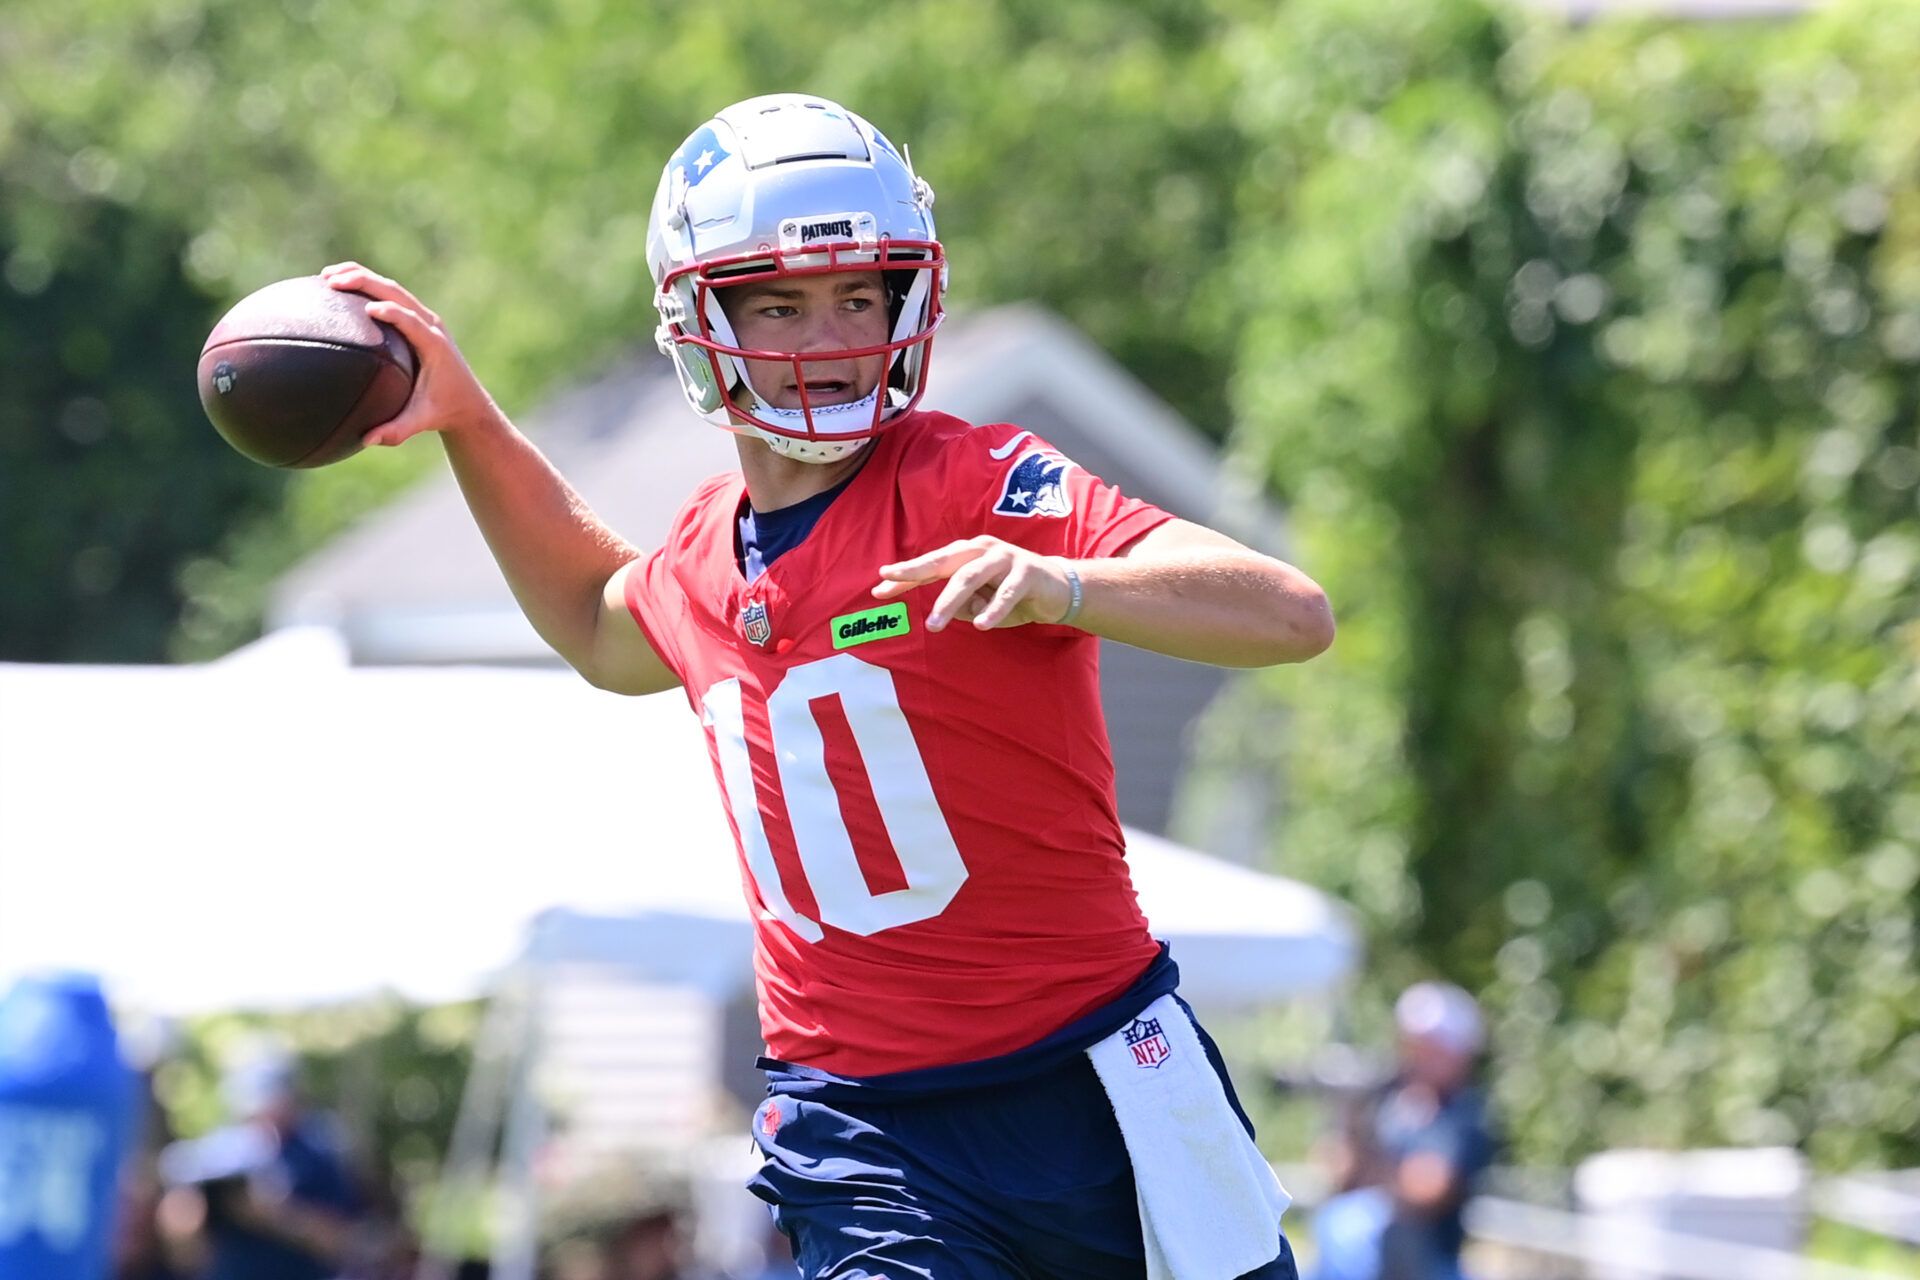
[792,185]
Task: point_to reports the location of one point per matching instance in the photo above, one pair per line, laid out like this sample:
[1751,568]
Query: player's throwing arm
[563,564]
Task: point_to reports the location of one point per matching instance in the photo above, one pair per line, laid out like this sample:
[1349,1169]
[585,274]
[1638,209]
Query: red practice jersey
[926,822]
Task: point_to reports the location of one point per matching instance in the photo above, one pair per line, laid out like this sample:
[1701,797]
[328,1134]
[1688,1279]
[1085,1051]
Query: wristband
[1079,597]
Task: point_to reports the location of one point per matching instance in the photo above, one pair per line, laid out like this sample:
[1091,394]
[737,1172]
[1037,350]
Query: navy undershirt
[765,536]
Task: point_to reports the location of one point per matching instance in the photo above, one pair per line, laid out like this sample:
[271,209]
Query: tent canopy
[280,829]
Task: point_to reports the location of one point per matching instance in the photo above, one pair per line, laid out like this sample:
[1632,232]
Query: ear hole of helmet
[908,310]
[898,283]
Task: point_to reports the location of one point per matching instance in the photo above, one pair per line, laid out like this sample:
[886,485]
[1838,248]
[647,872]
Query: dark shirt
[147,1269]
[1458,1131]
[315,1174]
[765,536]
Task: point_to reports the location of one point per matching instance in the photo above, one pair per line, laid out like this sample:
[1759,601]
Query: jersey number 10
[929,859]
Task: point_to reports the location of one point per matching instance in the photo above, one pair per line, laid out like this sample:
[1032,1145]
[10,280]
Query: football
[297,372]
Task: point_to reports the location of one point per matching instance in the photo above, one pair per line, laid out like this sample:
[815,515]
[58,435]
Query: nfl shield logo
[1148,1042]
[753,621]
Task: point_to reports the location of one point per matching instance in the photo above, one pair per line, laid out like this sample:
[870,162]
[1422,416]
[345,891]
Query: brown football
[297,372]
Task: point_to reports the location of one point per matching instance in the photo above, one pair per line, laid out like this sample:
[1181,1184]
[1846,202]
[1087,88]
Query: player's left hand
[989,583]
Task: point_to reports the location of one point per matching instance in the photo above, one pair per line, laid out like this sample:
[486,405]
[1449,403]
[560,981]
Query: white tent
[280,828]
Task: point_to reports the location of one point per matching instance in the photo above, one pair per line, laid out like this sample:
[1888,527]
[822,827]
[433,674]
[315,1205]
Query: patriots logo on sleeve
[1036,486]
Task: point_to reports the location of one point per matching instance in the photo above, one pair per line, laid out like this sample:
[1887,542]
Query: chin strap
[828,449]
[815,450]
[802,419]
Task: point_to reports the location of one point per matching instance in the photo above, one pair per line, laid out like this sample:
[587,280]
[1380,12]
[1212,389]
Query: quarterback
[978,1066]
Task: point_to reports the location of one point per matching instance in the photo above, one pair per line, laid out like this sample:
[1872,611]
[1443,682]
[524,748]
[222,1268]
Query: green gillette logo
[884,623]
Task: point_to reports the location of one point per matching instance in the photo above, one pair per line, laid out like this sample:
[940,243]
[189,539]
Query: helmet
[780,186]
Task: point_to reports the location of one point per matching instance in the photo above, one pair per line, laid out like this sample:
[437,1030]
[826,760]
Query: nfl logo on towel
[753,621]
[1148,1042]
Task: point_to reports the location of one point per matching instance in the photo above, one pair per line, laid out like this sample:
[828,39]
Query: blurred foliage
[1853,1247]
[108,477]
[1586,358]
[501,160]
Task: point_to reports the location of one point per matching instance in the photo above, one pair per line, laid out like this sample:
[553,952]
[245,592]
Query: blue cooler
[66,1112]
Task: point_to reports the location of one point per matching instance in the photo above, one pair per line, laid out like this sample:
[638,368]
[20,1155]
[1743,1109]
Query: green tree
[502,160]
[1586,357]
[109,476]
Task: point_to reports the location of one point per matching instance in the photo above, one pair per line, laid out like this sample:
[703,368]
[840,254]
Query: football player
[887,620]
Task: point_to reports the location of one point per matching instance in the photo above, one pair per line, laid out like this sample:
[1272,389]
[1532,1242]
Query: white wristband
[1079,597]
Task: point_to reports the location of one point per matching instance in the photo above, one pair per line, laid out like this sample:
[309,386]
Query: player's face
[838,312]
[1432,1063]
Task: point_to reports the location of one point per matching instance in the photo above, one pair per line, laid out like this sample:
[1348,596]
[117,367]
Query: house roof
[416,583]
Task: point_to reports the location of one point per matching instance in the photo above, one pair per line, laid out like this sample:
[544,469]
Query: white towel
[1210,1204]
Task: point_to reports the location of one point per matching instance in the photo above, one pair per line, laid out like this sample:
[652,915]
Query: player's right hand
[446,394]
[989,582]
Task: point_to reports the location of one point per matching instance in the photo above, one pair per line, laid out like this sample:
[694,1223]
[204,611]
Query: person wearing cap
[270,1198]
[1406,1169]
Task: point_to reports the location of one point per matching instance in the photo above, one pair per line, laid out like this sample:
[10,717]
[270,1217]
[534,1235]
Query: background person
[1408,1157]
[652,1245]
[271,1197]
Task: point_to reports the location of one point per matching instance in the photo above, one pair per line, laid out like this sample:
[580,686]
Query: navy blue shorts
[1027,1180]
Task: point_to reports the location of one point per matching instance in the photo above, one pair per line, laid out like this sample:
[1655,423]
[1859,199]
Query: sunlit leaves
[1599,425]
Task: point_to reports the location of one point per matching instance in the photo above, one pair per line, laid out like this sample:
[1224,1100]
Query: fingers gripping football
[446,394]
[989,583]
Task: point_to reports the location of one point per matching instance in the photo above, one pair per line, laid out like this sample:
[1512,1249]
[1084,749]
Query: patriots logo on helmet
[1036,486]
[700,155]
